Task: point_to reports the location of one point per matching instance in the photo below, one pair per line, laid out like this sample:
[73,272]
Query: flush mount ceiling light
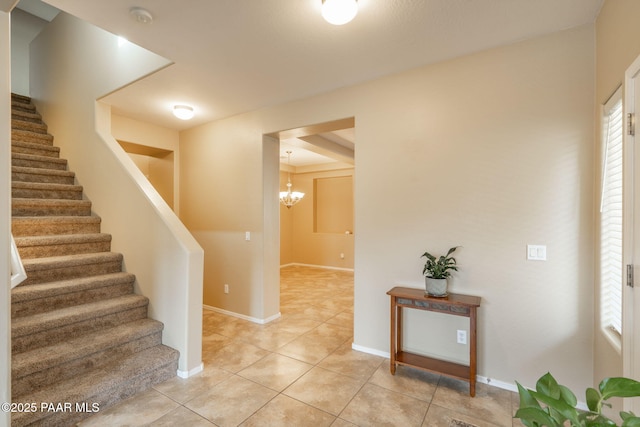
[141,15]
[290,198]
[339,12]
[183,112]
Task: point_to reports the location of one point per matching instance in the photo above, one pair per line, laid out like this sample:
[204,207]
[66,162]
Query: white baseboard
[242,316]
[497,383]
[326,267]
[192,372]
[370,351]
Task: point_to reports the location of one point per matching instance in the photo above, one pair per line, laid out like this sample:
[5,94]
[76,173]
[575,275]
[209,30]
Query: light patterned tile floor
[300,370]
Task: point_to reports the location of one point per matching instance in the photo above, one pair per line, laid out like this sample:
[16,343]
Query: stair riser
[104,398]
[64,249]
[48,337]
[32,138]
[28,193]
[33,149]
[29,126]
[79,209]
[42,163]
[70,272]
[43,178]
[44,228]
[42,305]
[21,384]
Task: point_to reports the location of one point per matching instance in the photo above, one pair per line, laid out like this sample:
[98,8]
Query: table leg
[393,333]
[473,350]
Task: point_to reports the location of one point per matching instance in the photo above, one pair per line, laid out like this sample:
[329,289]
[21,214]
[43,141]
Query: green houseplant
[437,270]
[554,405]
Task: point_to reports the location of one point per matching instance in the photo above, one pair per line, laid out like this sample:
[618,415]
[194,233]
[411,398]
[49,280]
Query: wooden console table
[455,304]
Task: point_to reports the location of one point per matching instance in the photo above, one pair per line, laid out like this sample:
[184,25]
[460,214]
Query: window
[611,212]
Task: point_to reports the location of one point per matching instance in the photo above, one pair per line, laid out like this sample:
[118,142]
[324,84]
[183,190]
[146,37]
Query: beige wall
[23,29]
[162,170]
[73,64]
[300,243]
[5,211]
[222,189]
[617,46]
[491,151]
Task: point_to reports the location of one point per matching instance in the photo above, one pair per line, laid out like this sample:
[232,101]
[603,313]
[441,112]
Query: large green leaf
[567,411]
[598,421]
[594,400]
[619,387]
[568,396]
[535,417]
[631,422]
[547,385]
[526,399]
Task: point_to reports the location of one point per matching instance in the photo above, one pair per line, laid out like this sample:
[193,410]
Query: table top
[451,298]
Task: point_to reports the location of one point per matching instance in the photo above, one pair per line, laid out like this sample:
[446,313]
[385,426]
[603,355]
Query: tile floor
[300,370]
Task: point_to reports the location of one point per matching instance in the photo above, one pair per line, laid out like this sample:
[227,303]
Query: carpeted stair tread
[48,225]
[104,386]
[21,104]
[26,115]
[24,99]
[53,207]
[35,149]
[29,125]
[39,298]
[38,264]
[64,244]
[35,161]
[46,190]
[62,360]
[21,135]
[50,269]
[38,330]
[28,174]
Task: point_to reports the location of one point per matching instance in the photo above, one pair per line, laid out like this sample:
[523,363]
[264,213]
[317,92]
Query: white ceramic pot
[435,287]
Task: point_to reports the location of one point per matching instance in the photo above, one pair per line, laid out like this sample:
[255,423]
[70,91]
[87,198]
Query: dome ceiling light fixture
[141,15]
[183,112]
[339,12]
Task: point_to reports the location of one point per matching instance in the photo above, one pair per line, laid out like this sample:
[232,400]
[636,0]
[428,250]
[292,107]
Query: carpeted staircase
[80,337]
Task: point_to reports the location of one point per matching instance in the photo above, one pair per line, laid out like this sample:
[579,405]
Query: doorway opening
[317,233]
[319,230]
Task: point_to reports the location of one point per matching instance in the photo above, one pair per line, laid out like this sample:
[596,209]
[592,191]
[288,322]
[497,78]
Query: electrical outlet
[226,288]
[462,336]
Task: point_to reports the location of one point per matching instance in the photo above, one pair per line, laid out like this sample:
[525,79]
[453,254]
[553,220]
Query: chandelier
[290,198]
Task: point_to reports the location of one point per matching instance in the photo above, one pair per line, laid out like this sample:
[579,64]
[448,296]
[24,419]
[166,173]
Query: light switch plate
[537,252]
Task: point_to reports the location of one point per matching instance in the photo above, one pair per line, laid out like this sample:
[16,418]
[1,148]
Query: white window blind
[611,270]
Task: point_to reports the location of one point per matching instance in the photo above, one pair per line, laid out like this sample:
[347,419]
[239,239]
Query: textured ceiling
[233,56]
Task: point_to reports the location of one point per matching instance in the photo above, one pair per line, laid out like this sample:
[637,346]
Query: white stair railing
[18,275]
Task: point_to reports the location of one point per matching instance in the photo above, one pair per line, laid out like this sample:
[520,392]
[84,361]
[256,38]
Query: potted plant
[554,405]
[437,271]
